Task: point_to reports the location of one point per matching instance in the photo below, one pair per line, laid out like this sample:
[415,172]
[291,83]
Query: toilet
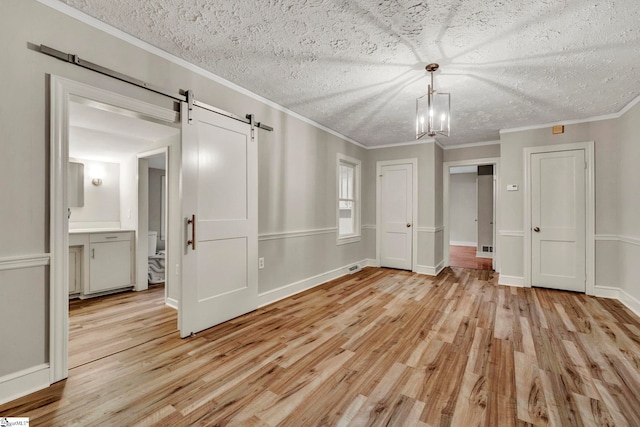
[156,260]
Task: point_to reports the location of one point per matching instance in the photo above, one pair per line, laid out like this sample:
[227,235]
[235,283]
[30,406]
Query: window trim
[356,236]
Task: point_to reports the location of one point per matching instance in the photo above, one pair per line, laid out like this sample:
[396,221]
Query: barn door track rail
[181,96]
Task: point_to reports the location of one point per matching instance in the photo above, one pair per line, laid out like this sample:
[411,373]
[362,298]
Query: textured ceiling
[356,66]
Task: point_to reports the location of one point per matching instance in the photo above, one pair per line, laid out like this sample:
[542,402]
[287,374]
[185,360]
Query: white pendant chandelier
[433,110]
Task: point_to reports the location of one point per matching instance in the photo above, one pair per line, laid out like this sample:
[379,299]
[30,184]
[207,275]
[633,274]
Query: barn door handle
[536,229]
[192,242]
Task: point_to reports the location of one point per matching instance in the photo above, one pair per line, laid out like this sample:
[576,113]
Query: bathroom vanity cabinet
[106,262]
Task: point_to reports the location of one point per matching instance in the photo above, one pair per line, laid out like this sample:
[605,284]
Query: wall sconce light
[433,110]
[96,181]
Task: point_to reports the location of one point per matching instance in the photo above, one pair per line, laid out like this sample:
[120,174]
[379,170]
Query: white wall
[102,202]
[155,202]
[463,209]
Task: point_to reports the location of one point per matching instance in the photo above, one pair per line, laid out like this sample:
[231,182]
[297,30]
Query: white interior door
[396,216]
[219,190]
[558,220]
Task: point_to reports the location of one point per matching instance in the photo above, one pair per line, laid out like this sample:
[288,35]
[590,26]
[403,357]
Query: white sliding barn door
[558,220]
[219,191]
[396,216]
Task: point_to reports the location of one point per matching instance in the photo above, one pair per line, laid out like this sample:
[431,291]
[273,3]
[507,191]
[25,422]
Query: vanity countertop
[98,230]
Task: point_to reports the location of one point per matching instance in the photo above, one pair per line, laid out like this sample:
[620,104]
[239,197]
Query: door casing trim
[61,92]
[495,161]
[590,209]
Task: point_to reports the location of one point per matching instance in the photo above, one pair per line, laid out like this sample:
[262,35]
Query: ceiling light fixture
[433,110]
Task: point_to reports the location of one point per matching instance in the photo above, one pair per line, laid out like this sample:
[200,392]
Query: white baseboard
[291,289]
[480,254]
[621,295]
[371,263]
[171,302]
[631,302]
[27,381]
[429,270]
[607,292]
[456,243]
[516,281]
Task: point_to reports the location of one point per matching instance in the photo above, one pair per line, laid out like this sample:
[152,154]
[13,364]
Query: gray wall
[607,145]
[628,204]
[429,157]
[298,192]
[471,153]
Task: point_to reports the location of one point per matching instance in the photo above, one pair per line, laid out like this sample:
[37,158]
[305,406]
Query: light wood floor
[100,327]
[381,347]
[465,256]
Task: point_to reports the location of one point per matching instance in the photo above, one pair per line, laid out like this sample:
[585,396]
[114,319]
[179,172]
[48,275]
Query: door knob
[536,229]
[408,224]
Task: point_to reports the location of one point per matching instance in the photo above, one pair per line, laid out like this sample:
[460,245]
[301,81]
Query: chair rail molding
[615,238]
[297,233]
[436,229]
[24,261]
[511,233]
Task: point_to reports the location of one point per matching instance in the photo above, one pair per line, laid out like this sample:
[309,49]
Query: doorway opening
[96,241]
[470,214]
[118,240]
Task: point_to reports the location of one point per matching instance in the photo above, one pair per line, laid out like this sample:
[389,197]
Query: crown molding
[471,145]
[629,106]
[106,28]
[403,144]
[617,115]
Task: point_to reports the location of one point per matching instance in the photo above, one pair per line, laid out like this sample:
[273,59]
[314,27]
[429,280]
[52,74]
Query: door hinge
[190,99]
[585,165]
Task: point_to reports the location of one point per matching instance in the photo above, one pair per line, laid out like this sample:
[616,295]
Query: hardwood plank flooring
[380,347]
[465,256]
[99,327]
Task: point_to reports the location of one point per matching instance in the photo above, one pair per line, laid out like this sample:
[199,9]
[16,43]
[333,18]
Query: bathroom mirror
[75,184]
